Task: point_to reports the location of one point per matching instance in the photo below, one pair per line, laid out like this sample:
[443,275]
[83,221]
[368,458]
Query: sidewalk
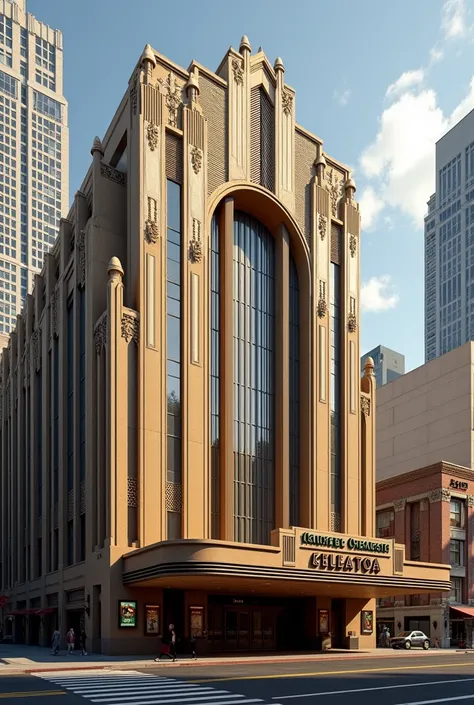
[16,659]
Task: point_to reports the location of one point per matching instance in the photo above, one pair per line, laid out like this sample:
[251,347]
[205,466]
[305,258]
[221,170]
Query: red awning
[466,612]
[46,610]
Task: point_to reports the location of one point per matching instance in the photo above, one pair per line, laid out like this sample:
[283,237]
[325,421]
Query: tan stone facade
[183,387]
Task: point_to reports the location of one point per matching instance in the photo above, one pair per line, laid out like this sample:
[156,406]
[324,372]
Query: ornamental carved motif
[82,259]
[399,504]
[440,495]
[151,224]
[238,71]
[173,98]
[352,318]
[113,174]
[365,405]
[322,307]
[100,335]
[195,245]
[152,135]
[322,226]
[470,500]
[130,328]
[334,186]
[287,102]
[196,159]
[352,245]
[134,95]
[54,313]
[36,346]
[132,492]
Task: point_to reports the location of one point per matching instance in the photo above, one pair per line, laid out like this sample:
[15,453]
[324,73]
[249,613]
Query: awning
[22,613]
[466,612]
[46,610]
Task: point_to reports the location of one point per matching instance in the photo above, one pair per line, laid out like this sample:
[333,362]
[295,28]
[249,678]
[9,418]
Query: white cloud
[370,207]
[436,54]
[377,295]
[406,81]
[401,158]
[454,19]
[342,98]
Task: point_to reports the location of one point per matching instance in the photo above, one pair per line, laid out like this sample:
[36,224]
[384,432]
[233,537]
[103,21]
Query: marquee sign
[350,544]
[345,564]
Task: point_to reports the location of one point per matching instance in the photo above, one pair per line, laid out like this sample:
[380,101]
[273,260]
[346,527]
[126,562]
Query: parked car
[407,640]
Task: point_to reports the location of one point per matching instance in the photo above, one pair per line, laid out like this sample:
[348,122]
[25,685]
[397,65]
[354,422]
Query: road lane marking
[310,674]
[441,700]
[366,690]
[33,694]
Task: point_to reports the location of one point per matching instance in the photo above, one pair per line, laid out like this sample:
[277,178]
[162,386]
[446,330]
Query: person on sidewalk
[71,640]
[83,641]
[168,647]
[192,644]
[55,642]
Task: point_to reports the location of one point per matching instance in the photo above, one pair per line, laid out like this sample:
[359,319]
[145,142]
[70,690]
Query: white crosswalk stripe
[135,688]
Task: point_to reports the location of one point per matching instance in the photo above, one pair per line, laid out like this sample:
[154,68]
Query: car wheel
[408,645]
[426,645]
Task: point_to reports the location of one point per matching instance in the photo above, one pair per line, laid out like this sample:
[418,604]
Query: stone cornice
[458,471]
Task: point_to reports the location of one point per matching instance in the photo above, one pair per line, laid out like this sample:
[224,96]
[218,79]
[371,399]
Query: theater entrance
[249,624]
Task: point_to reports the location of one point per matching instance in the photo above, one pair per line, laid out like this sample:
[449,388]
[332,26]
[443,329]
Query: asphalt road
[407,680]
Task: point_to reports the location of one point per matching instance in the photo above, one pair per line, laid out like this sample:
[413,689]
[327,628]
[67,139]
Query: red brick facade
[431,511]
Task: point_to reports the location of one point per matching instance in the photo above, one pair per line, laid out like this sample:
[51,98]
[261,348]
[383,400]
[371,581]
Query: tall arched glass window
[294,397]
[254,380]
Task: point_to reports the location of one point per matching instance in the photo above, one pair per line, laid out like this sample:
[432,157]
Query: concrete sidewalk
[16,659]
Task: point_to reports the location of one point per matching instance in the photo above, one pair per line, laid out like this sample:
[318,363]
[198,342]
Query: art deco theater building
[184,433]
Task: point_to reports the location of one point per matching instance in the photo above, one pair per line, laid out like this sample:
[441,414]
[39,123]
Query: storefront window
[457,513]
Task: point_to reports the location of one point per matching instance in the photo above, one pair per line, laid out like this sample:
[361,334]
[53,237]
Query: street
[406,680]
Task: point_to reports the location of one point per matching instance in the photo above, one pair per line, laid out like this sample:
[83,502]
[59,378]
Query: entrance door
[338,623]
[230,636]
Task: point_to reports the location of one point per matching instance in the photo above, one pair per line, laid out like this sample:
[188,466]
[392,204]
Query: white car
[407,640]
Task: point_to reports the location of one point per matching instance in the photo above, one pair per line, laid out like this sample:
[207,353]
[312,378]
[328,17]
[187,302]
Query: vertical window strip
[55,498]
[294,394]
[254,381]
[82,384]
[173,277]
[39,443]
[335,394]
[215,445]
[70,427]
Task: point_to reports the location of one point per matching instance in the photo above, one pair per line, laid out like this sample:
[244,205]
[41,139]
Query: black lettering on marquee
[337,542]
[349,564]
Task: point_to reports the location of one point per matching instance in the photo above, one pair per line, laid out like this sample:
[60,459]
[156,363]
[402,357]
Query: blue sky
[379,82]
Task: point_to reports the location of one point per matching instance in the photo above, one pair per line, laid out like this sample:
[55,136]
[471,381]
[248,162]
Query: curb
[204,662]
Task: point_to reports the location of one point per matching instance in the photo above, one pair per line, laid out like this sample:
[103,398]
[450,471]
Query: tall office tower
[449,244]
[388,364]
[33,152]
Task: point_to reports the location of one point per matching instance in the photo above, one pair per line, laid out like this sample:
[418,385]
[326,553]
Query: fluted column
[368,458]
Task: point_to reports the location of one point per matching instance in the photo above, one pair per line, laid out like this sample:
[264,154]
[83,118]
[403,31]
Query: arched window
[254,380]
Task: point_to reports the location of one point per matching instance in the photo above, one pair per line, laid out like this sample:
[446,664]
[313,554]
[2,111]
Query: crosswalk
[135,688]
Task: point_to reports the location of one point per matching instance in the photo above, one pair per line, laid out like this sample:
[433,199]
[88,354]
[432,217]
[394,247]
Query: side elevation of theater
[184,433]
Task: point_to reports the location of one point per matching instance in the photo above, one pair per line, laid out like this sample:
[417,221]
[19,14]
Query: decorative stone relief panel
[195,245]
[322,303]
[334,186]
[353,245]
[134,95]
[152,135]
[173,98]
[54,313]
[335,521]
[130,328]
[238,70]
[352,318]
[173,497]
[440,495]
[322,226]
[399,504]
[113,174]
[287,102]
[132,492]
[151,224]
[196,159]
[470,500]
[36,346]
[100,335]
[365,405]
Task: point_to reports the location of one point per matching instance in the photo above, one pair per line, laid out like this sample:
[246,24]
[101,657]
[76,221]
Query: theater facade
[185,435]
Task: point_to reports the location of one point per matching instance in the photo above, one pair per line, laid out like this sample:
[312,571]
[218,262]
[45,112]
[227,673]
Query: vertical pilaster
[368,457]
[282,376]
[226,323]
[350,387]
[238,72]
[284,139]
[321,345]
[195,407]
[20,440]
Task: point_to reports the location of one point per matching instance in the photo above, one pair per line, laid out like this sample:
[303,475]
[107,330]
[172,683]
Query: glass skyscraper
[34,161]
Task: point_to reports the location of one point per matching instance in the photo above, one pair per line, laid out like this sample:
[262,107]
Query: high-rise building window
[47,106]
[456,553]
[254,380]
[335,392]
[385,524]
[457,590]
[215,405]
[294,396]
[173,277]
[6,40]
[457,514]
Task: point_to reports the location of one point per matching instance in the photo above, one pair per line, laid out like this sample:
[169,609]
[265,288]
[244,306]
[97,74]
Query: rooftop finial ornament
[350,188]
[192,87]
[369,367]
[97,146]
[245,45]
[278,65]
[115,269]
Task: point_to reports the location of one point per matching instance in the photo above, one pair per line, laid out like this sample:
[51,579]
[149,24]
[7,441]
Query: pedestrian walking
[192,644]
[83,642]
[55,642]
[168,646]
[71,640]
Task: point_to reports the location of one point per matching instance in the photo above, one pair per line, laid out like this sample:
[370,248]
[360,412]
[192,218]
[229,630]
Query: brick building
[431,511]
